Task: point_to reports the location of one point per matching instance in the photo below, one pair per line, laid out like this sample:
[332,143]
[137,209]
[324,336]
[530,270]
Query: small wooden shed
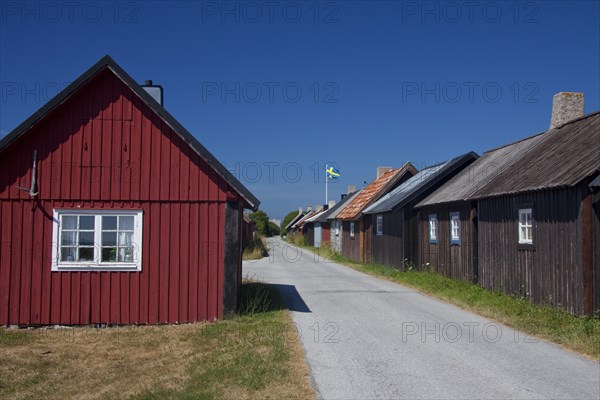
[395,221]
[529,214]
[113,213]
[356,234]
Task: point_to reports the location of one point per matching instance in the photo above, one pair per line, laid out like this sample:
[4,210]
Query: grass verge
[255,250]
[581,334]
[254,355]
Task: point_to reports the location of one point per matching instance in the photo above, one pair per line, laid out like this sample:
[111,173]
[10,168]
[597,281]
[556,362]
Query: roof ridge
[107,62]
[541,133]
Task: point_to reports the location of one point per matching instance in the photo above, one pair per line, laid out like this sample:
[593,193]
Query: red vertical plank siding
[204,261]
[105,149]
[173,263]
[153,296]
[163,267]
[6,252]
[15,275]
[184,261]
[194,262]
[27,248]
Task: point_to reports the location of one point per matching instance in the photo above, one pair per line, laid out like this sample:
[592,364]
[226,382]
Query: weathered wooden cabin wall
[550,270]
[596,228]
[351,245]
[387,249]
[457,261]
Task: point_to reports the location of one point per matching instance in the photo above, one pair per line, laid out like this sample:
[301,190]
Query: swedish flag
[332,173]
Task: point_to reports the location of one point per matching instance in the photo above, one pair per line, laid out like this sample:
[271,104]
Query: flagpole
[326,180]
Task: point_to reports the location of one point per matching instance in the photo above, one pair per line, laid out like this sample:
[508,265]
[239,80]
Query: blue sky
[277,89]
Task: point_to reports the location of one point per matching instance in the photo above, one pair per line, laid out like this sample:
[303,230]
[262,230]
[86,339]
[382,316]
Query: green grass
[250,354]
[578,333]
[253,355]
[255,250]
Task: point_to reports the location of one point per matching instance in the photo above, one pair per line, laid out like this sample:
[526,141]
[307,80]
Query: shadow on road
[259,297]
[292,298]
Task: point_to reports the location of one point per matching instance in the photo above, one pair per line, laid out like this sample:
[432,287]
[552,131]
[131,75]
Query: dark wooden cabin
[531,217]
[394,221]
[126,218]
[356,230]
[336,225]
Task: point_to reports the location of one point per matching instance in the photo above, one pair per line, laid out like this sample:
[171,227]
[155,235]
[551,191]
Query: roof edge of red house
[107,62]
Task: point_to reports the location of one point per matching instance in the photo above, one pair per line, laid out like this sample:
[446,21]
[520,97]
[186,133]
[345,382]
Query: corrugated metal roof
[417,184]
[566,156]
[335,209]
[296,219]
[556,158]
[466,183]
[374,191]
[302,220]
[315,215]
[108,62]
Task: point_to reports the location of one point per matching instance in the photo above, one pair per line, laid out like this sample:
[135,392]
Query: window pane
[126,254]
[86,222]
[68,238]
[67,254]
[126,223]
[86,238]
[109,223]
[109,238]
[125,238]
[109,254]
[69,222]
[86,254]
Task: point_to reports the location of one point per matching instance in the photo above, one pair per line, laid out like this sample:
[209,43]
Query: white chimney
[331,204]
[566,106]
[351,189]
[382,171]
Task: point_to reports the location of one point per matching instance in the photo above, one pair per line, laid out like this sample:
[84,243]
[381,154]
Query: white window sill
[96,267]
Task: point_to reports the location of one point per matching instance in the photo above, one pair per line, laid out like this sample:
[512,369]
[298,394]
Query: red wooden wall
[105,149]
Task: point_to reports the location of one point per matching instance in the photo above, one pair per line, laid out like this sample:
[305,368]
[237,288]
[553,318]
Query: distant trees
[273,229]
[288,218]
[262,222]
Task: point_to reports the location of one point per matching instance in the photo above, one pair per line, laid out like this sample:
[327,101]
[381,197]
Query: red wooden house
[113,213]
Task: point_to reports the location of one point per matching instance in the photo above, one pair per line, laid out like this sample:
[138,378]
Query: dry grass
[255,355]
[255,250]
[90,363]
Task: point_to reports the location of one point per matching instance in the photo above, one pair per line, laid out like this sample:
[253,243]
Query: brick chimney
[382,171]
[565,107]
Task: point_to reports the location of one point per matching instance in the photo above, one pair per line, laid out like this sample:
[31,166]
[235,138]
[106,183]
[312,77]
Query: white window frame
[96,264]
[433,228]
[337,228]
[454,228]
[351,229]
[379,225]
[525,227]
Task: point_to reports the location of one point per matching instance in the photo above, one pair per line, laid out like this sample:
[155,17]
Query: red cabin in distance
[126,217]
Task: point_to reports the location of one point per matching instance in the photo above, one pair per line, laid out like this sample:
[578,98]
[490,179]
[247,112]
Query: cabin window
[379,225]
[97,240]
[526,226]
[337,229]
[433,228]
[454,228]
[351,229]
